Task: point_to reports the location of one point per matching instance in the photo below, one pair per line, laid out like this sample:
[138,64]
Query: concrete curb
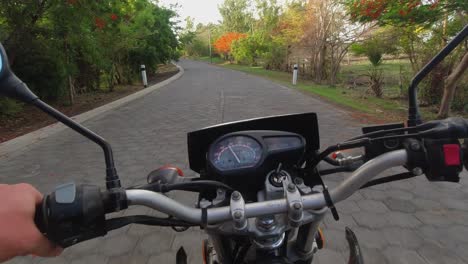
[22,142]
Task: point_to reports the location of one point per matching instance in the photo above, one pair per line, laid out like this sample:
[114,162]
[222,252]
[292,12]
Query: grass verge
[365,107]
[354,100]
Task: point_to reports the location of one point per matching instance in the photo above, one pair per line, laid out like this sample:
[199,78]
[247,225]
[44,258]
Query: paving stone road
[408,222]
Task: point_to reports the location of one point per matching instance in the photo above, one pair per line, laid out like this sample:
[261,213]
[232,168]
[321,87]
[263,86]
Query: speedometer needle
[233,153]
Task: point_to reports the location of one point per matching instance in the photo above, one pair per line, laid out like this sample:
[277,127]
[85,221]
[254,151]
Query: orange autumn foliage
[223,44]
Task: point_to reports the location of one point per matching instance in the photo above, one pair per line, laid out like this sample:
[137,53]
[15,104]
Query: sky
[203,11]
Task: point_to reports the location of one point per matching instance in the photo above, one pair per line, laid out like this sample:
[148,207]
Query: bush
[460,100]
[42,68]
[275,58]
[375,75]
[244,51]
[9,107]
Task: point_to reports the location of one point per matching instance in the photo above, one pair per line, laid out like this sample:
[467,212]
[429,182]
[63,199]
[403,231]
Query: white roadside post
[143,75]
[295,74]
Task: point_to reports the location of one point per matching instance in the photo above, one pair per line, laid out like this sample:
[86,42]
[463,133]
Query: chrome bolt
[298,181]
[291,187]
[266,223]
[297,206]
[236,195]
[417,171]
[415,146]
[237,215]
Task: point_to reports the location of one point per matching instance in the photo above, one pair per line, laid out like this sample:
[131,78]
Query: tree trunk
[450,86]
[71,90]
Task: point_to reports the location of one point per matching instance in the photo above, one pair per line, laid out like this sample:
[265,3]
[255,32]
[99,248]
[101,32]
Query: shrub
[9,107]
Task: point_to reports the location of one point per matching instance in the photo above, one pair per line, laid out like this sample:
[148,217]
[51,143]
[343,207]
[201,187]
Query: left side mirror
[4,66]
[10,85]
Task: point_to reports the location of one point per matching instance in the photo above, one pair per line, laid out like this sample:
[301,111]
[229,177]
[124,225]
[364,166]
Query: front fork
[355,253]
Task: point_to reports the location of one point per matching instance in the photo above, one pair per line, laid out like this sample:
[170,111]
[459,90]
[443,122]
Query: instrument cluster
[241,151]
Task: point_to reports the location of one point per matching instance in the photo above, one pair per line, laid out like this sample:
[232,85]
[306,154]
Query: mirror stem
[414,118]
[112,179]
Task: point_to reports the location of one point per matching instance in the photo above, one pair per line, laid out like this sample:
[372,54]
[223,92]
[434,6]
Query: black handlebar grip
[453,128]
[72,214]
[40,216]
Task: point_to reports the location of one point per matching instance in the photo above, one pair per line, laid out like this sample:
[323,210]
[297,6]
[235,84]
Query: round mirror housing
[10,85]
[4,67]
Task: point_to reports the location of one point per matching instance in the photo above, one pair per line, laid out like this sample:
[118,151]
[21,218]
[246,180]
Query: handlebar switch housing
[465,152]
[416,154]
[72,214]
[444,159]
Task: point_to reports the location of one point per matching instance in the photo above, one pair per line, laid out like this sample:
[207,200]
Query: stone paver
[407,222]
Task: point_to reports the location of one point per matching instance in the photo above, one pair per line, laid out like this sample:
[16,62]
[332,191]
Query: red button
[452,154]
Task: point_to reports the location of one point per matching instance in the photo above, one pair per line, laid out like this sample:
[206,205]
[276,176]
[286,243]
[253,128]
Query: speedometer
[235,152]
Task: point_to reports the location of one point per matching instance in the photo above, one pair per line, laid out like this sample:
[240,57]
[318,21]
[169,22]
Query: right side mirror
[10,85]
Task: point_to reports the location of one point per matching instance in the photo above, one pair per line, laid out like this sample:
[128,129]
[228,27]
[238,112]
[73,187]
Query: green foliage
[275,56]
[261,46]
[87,41]
[382,42]
[9,107]
[195,41]
[248,50]
[403,13]
[236,16]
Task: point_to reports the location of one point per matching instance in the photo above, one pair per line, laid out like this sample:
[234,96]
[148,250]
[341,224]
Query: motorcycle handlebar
[73,214]
[361,176]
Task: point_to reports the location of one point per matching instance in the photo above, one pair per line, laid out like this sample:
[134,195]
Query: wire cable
[116,223]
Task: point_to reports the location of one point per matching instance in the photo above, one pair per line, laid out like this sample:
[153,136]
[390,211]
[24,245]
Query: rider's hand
[19,235]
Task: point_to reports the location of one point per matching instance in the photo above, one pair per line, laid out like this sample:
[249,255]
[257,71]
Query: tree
[436,15]
[248,49]
[374,48]
[236,16]
[188,36]
[382,41]
[258,43]
[268,12]
[403,12]
[291,23]
[77,43]
[223,45]
[450,85]
[328,34]
[199,44]
[288,31]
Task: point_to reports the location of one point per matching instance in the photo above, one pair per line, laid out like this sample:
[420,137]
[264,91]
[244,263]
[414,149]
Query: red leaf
[100,23]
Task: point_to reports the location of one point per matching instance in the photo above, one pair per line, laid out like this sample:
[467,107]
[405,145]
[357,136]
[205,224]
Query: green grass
[390,67]
[216,60]
[393,71]
[355,99]
[338,95]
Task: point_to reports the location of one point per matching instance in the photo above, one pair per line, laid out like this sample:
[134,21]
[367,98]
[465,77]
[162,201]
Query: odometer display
[235,152]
